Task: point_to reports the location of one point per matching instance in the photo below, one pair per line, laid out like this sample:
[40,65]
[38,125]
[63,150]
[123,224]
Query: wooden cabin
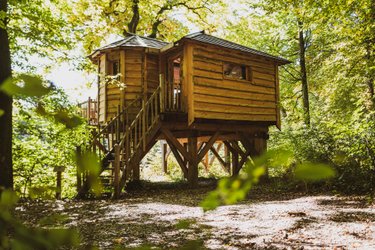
[191,93]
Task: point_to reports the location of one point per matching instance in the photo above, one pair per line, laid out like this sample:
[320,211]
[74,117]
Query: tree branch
[170,6]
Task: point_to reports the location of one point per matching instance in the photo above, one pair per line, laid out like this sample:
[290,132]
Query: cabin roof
[208,39]
[132,40]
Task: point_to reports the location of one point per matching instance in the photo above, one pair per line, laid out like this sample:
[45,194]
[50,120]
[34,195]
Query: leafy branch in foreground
[231,190]
[29,238]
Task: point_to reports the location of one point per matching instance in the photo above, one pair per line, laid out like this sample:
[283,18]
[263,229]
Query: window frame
[248,72]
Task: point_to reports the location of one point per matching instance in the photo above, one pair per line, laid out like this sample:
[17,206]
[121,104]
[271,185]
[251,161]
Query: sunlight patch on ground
[312,222]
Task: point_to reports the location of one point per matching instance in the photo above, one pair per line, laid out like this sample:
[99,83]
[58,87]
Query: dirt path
[170,218]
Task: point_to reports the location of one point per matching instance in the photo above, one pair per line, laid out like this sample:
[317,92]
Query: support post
[58,170]
[136,171]
[79,171]
[162,93]
[235,164]
[193,163]
[164,149]
[116,172]
[227,158]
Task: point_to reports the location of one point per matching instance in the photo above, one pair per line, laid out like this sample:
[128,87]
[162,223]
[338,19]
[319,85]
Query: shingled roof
[133,40]
[205,38]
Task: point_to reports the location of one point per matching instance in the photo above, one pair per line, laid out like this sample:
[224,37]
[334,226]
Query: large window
[236,71]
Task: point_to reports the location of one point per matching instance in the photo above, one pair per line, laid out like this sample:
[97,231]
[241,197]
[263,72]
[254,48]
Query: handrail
[113,127]
[118,115]
[153,103]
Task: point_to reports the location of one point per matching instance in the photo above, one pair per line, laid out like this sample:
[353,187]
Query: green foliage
[234,189]
[185,224]
[14,235]
[38,28]
[313,172]
[340,62]
[40,143]
[25,85]
[89,162]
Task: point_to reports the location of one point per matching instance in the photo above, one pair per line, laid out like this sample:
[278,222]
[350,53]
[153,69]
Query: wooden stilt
[186,161]
[227,158]
[235,166]
[136,171]
[205,162]
[193,162]
[116,172]
[164,152]
[260,145]
[218,157]
[179,159]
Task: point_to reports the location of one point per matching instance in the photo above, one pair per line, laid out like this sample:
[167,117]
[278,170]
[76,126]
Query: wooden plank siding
[102,98]
[132,70]
[217,97]
[152,73]
[134,77]
[113,93]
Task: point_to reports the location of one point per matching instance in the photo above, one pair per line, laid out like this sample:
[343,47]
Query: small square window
[235,71]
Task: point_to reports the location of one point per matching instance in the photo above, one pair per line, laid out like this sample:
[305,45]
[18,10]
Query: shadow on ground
[167,216]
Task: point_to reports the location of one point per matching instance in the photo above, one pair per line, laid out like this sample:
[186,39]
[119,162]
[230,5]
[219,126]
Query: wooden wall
[113,95]
[152,72]
[136,68]
[217,97]
[102,103]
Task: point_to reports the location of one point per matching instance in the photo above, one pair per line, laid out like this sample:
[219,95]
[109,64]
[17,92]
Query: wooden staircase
[123,142]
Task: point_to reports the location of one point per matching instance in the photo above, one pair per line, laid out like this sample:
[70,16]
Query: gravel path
[172,219]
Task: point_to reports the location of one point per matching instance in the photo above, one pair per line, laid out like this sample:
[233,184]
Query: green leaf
[211,201]
[185,224]
[68,120]
[25,85]
[62,116]
[8,198]
[313,171]
[90,163]
[2,112]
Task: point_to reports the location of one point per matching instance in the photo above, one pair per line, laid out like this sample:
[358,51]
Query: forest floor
[168,216]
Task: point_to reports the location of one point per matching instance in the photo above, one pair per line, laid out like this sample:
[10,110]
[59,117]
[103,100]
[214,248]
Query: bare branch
[169,6]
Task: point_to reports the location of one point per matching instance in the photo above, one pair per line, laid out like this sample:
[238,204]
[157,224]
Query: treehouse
[190,94]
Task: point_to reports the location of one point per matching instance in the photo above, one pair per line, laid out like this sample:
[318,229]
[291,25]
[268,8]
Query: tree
[164,19]
[41,142]
[6,173]
[43,27]
[290,31]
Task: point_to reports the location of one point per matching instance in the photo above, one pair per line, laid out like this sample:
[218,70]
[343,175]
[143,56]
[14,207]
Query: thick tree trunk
[370,57]
[132,26]
[305,87]
[6,170]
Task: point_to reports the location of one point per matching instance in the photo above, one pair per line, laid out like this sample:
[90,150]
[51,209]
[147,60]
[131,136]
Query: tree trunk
[6,170]
[370,58]
[132,26]
[305,87]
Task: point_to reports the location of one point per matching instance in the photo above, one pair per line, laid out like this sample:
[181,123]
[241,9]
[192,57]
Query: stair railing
[109,135]
[135,135]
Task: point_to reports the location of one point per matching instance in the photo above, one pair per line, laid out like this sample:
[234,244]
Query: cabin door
[174,73]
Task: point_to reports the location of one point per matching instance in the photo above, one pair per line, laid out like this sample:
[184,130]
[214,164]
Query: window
[236,71]
[115,68]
